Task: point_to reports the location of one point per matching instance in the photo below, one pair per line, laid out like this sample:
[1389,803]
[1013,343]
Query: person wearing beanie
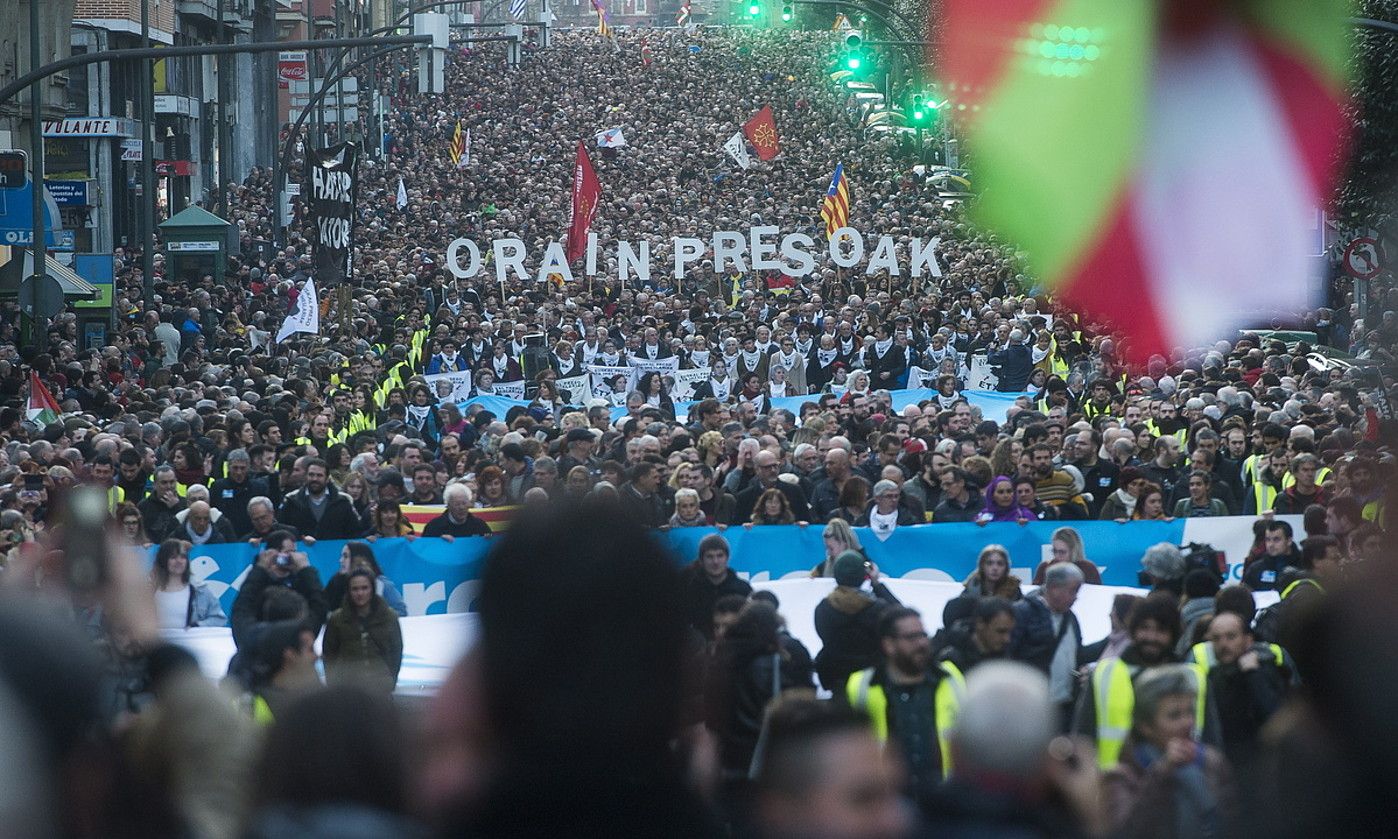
[847,621]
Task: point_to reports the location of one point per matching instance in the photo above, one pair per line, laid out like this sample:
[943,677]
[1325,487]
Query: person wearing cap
[847,621]
[578,446]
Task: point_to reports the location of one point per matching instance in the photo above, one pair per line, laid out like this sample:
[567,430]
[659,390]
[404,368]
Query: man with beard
[1247,680]
[1104,709]
[1055,488]
[909,701]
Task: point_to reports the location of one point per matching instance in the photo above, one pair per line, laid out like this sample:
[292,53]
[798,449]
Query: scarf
[765,348]
[721,387]
[699,358]
[1037,354]
[731,360]
[1127,500]
[778,389]
[847,345]
[750,359]
[516,348]
[589,353]
[501,366]
[788,361]
[566,364]
[609,359]
[804,347]
[417,415]
[826,357]
[881,348]
[652,351]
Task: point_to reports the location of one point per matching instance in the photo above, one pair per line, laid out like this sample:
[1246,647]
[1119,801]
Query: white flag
[402,193]
[612,138]
[465,151]
[305,317]
[737,147]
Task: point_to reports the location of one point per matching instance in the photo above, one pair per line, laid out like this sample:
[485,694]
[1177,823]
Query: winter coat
[1008,587]
[336,586]
[1142,801]
[1012,365]
[305,582]
[736,694]
[700,595]
[1033,640]
[339,521]
[847,621]
[365,649]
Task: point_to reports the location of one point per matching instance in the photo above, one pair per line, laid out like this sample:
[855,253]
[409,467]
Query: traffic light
[854,54]
[919,111]
[754,9]
[787,13]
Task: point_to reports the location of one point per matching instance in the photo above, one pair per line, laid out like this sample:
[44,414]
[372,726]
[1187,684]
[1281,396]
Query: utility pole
[39,248]
[147,226]
[221,171]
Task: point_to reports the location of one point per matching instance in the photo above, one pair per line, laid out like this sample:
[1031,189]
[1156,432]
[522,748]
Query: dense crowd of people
[677,703]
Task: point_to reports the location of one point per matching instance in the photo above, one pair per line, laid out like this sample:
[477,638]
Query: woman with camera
[363,642]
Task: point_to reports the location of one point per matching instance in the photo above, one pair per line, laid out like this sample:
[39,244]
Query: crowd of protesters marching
[612,689]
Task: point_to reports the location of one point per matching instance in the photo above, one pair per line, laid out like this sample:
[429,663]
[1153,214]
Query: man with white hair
[1011,776]
[1013,364]
[457,519]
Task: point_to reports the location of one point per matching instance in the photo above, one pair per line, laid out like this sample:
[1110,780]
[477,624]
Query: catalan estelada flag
[835,209]
[458,145]
[1161,163]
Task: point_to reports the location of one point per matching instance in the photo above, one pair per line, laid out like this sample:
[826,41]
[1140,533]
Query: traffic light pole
[38,248]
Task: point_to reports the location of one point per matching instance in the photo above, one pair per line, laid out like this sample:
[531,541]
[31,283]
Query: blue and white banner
[438,577]
[993,404]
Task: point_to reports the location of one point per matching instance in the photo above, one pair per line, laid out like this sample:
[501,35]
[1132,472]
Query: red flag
[586,193]
[761,131]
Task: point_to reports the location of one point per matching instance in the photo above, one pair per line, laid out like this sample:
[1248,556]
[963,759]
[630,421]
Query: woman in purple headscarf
[1001,505]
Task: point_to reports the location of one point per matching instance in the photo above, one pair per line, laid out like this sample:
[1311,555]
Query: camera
[283,560]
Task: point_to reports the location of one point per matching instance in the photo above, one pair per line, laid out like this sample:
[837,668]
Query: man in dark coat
[320,510]
[768,476]
[1012,365]
[707,579]
[847,621]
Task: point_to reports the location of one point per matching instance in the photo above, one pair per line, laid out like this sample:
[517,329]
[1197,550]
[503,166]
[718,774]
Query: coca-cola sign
[291,67]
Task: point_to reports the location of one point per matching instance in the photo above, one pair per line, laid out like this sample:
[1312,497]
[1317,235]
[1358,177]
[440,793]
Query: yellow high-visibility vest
[863,694]
[1115,697]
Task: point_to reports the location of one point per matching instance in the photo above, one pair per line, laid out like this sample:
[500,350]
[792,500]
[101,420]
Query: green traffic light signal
[754,9]
[853,62]
[786,13]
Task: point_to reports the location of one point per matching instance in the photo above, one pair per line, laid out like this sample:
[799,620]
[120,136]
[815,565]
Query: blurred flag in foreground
[1160,162]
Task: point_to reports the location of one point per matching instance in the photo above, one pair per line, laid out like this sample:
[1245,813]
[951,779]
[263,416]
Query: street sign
[1362,258]
[40,296]
[14,169]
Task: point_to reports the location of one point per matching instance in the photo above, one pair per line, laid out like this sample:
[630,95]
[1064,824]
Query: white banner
[574,390]
[982,377]
[918,377]
[659,365]
[685,381]
[510,390]
[450,387]
[607,380]
[737,148]
[304,316]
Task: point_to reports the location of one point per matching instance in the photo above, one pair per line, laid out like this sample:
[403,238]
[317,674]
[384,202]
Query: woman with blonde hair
[1066,546]
[838,537]
[992,577]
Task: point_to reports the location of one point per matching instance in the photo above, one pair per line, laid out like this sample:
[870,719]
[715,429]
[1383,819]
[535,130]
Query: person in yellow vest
[1266,439]
[1167,782]
[1104,709]
[1248,681]
[909,700]
[282,665]
[1262,495]
[1099,400]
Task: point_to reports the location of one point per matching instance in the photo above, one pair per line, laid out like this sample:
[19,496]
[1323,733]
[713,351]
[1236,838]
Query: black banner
[333,184]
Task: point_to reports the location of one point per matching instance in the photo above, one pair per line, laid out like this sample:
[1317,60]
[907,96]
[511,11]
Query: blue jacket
[1013,365]
[204,609]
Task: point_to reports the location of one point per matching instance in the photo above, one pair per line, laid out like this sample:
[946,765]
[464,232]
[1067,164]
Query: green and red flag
[42,408]
[1162,163]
